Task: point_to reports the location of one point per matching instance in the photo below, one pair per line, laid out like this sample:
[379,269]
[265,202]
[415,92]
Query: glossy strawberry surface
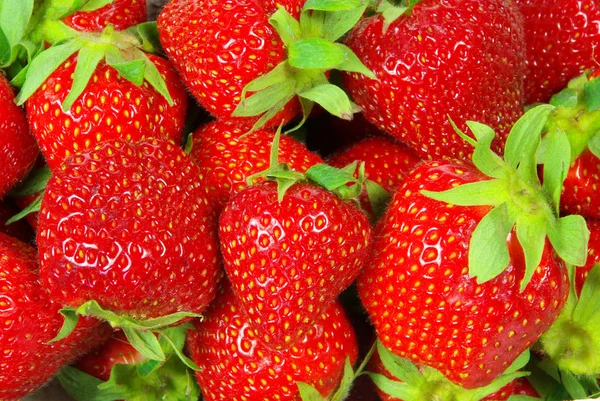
[580,188]
[18,150]
[287,261]
[582,272]
[235,365]
[422,301]
[29,320]
[110,108]
[462,59]
[121,14]
[227,157]
[218,47]
[562,39]
[128,225]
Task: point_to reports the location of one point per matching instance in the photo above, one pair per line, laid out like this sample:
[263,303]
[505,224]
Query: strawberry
[19,150]
[459,58]
[593,255]
[125,233]
[235,365]
[29,321]
[289,257]
[110,108]
[227,158]
[523,387]
[466,287]
[122,14]
[561,42]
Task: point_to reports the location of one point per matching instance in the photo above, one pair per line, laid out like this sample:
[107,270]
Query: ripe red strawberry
[235,364]
[218,47]
[227,158]
[460,58]
[561,38]
[18,150]
[593,255]
[29,321]
[128,225]
[122,14]
[288,259]
[110,108]
[523,387]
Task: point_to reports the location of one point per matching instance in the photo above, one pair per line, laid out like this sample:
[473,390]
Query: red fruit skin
[218,47]
[227,157]
[523,387]
[116,351]
[29,320]
[422,301]
[582,272]
[121,14]
[580,188]
[18,149]
[110,108]
[19,229]
[235,365]
[287,262]
[22,203]
[128,225]
[561,38]
[458,58]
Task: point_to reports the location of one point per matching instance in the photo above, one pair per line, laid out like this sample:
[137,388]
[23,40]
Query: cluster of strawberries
[445,250]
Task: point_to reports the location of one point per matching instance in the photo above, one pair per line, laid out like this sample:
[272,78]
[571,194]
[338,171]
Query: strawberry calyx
[427,383]
[144,380]
[577,113]
[519,201]
[141,334]
[311,51]
[392,10]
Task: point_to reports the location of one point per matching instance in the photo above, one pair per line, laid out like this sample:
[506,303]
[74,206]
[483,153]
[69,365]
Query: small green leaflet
[87,60]
[594,144]
[286,26]
[569,236]
[309,393]
[557,158]
[531,230]
[332,5]
[14,18]
[83,387]
[34,183]
[572,385]
[567,98]
[400,368]
[91,5]
[315,53]
[145,342]
[5,49]
[586,312]
[31,208]
[333,99]
[591,94]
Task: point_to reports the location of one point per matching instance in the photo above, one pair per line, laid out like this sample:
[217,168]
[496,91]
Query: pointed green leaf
[264,100]
[329,177]
[178,351]
[531,233]
[346,382]
[309,393]
[338,23]
[132,71]
[331,98]
[332,5]
[572,385]
[401,368]
[556,164]
[31,208]
[87,60]
[69,324]
[397,390]
[567,98]
[586,312]
[147,34]
[5,49]
[519,363]
[591,94]
[353,63]
[464,136]
[43,65]
[569,236]
[145,342]
[83,387]
[147,367]
[594,144]
[91,5]
[522,398]
[391,12]
[153,77]
[307,107]
[35,182]
[488,250]
[488,162]
[14,17]
[286,26]
[315,53]
[277,75]
[480,193]
[378,198]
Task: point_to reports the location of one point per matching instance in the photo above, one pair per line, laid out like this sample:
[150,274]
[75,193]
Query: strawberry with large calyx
[126,235]
[273,54]
[466,279]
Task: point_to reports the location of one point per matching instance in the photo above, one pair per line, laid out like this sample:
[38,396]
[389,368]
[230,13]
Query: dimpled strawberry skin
[288,261]
[121,14]
[129,225]
[28,321]
[580,188]
[219,46]
[422,301]
[235,365]
[110,108]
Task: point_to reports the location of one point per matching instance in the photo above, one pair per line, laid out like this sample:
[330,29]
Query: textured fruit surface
[218,47]
[235,365]
[28,321]
[227,157]
[459,58]
[110,108]
[128,225]
[593,255]
[561,37]
[424,304]
[18,150]
[121,14]
[580,188]
[287,261]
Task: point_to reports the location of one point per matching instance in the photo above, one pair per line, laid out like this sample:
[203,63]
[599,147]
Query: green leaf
[338,23]
[329,177]
[91,5]
[133,70]
[333,99]
[488,162]
[401,368]
[87,60]
[309,393]
[586,311]
[488,250]
[147,367]
[591,94]
[5,49]
[286,26]
[567,98]
[34,183]
[83,387]
[332,5]
[14,17]
[31,208]
[480,193]
[147,33]
[378,198]
[519,363]
[346,382]
[178,351]
[264,100]
[145,342]
[153,77]
[69,324]
[594,144]
[315,53]
[569,236]
[572,385]
[353,63]
[397,390]
[556,164]
[531,233]
[43,65]
[390,12]
[277,75]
